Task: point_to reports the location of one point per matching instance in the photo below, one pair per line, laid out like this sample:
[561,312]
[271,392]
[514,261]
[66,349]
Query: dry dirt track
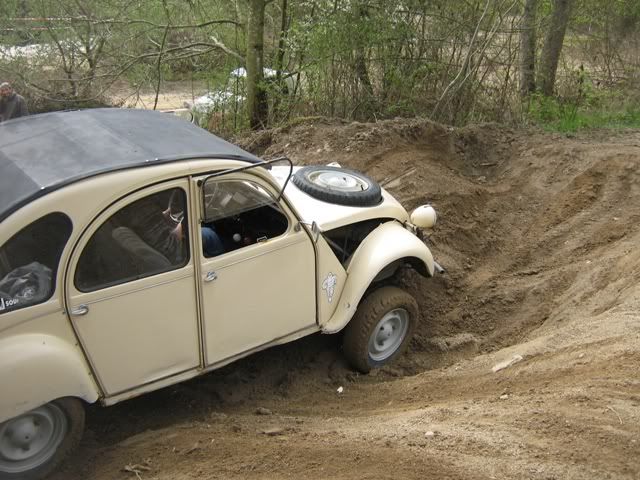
[540,234]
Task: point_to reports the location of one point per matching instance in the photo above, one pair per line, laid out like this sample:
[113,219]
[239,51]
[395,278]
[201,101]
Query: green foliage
[581,105]
[609,110]
[454,61]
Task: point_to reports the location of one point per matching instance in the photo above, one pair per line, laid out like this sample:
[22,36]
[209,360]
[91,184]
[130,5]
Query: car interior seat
[146,259]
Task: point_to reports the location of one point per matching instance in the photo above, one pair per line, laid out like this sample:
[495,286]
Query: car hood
[329,215]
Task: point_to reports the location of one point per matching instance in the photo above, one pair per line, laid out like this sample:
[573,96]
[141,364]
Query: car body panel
[138,331]
[259,292]
[259,295]
[112,400]
[331,280]
[328,215]
[371,258]
[47,364]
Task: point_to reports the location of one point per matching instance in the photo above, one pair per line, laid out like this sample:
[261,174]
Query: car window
[29,262]
[238,213]
[146,237]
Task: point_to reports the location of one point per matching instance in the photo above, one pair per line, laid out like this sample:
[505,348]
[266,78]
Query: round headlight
[424,216]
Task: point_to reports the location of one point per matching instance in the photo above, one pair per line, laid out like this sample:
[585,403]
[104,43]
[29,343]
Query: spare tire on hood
[338,185]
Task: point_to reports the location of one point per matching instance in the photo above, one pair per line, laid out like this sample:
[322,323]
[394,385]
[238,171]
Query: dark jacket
[13,106]
[26,285]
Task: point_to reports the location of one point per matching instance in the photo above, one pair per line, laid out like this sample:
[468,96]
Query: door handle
[80,310]
[210,276]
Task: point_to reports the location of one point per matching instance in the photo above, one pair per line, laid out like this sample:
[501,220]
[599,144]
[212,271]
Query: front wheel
[33,444]
[381,328]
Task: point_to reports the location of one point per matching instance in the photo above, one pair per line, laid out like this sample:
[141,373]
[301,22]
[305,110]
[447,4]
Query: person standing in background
[12,105]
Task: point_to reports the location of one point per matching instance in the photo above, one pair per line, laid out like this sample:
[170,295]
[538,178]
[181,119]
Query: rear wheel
[381,328]
[33,444]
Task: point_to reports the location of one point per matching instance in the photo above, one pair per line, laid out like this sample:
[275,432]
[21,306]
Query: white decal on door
[329,285]
[9,303]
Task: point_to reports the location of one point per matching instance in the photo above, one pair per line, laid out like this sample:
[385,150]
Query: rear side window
[29,262]
[147,237]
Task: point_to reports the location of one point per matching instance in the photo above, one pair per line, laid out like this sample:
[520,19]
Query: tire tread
[368,314]
[73,408]
[370,197]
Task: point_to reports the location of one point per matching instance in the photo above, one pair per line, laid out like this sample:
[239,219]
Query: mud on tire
[381,328]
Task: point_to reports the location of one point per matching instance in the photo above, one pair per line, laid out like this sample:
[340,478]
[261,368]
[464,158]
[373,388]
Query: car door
[131,291]
[257,267]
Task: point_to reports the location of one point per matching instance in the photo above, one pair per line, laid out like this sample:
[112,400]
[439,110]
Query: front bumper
[438,268]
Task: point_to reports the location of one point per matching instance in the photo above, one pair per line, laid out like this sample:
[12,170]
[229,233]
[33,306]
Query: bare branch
[218,44]
[159,64]
[113,21]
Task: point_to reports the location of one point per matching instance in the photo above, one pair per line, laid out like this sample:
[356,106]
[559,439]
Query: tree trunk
[257,108]
[553,45]
[528,48]
[284,26]
[281,82]
[360,65]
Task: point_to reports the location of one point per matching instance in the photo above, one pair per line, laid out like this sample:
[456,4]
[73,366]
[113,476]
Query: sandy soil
[173,95]
[539,234]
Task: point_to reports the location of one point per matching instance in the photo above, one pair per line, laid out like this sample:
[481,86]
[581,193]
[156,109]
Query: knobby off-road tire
[338,185]
[51,432]
[381,328]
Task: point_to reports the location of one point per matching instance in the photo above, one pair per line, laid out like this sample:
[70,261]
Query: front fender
[38,368]
[385,245]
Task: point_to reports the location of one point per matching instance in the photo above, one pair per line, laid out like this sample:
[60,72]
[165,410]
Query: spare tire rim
[388,335]
[30,440]
[336,180]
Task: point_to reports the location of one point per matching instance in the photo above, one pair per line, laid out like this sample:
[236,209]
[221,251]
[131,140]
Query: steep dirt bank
[539,234]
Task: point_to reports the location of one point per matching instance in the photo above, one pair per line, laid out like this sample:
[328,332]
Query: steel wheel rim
[30,440]
[388,334]
[336,180]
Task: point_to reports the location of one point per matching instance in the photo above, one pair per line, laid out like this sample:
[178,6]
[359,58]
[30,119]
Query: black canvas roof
[41,153]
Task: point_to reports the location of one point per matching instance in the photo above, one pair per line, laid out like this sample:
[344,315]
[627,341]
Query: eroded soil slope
[540,236]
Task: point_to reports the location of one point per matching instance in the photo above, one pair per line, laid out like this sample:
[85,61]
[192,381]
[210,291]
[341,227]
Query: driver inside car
[163,229]
[211,243]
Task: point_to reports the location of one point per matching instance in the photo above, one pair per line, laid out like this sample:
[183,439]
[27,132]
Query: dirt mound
[527,221]
[539,234]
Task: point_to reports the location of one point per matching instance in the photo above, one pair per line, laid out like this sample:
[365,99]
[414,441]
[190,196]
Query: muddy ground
[540,235]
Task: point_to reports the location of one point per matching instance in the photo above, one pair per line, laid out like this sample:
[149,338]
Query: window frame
[261,189]
[55,269]
[264,187]
[265,164]
[117,207]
